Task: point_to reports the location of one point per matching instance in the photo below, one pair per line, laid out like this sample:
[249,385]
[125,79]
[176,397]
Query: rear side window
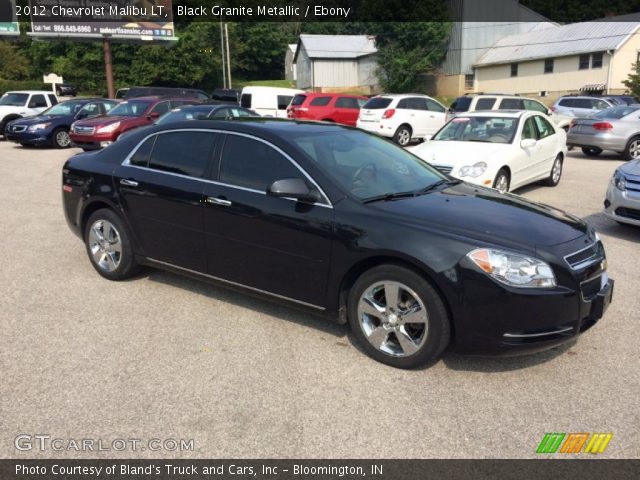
[253,164]
[186,153]
[511,104]
[53,99]
[297,100]
[347,102]
[461,104]
[320,102]
[485,103]
[245,100]
[535,106]
[377,103]
[283,101]
[37,101]
[141,157]
[567,102]
[582,103]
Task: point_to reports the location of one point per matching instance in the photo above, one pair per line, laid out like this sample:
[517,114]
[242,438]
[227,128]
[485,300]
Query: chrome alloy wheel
[556,171]
[404,137]
[393,318]
[634,149]
[63,139]
[502,185]
[105,245]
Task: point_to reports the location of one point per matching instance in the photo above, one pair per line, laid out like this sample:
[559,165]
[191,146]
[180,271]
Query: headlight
[474,170]
[513,269]
[620,181]
[109,128]
[38,126]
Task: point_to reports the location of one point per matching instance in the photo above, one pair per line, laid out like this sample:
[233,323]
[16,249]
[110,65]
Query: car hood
[484,214]
[103,120]
[460,153]
[44,119]
[631,168]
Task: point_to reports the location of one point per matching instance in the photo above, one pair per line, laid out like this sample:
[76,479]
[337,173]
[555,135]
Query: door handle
[128,183]
[218,201]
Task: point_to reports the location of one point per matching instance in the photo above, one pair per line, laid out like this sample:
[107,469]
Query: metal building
[289,65]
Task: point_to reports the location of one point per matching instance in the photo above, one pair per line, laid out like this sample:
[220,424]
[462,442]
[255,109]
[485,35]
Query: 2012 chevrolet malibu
[343,223]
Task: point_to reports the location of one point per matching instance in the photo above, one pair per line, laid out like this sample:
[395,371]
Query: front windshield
[180,115]
[65,108]
[617,112]
[479,129]
[130,109]
[14,99]
[365,165]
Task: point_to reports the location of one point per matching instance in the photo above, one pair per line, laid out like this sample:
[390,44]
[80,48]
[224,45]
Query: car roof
[401,95]
[496,113]
[330,94]
[30,91]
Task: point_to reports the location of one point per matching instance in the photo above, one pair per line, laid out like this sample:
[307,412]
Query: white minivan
[268,101]
[402,117]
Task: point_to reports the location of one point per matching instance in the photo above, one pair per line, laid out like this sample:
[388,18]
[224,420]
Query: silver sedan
[622,203]
[616,129]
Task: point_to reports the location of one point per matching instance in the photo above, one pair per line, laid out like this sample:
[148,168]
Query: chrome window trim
[153,260]
[127,163]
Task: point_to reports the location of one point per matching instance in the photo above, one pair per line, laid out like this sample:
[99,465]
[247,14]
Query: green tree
[13,63]
[633,80]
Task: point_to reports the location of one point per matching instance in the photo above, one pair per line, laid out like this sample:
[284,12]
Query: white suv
[24,103]
[402,117]
[496,101]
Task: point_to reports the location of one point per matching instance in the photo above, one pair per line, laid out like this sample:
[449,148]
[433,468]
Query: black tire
[553,179]
[59,142]
[437,325]
[632,151]
[403,135]
[503,172]
[591,151]
[126,265]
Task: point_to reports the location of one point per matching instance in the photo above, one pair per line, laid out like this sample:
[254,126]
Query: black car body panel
[310,254]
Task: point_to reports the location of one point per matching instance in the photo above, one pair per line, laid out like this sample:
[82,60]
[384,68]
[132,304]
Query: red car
[329,107]
[98,132]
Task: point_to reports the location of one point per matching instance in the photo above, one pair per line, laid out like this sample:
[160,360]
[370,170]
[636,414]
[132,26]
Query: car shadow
[606,226]
[246,300]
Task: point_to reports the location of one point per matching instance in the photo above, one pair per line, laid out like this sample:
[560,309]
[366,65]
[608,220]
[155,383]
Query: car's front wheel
[501,182]
[556,173]
[109,246]
[61,138]
[398,317]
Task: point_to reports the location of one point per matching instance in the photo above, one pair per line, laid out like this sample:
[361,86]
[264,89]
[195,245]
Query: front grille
[633,184]
[580,259]
[590,288]
[631,213]
[446,169]
[18,128]
[84,130]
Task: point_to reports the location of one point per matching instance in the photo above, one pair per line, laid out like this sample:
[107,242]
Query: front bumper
[604,141]
[91,142]
[622,206]
[42,137]
[493,319]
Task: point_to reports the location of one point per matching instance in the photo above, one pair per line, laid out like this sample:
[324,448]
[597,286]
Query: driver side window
[529,130]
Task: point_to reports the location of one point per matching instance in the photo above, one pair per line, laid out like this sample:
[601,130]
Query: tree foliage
[633,80]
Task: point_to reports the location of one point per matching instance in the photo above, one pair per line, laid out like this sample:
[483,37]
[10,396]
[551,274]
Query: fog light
[607,203]
[105,144]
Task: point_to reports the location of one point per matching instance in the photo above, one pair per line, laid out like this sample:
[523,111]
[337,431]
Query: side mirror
[528,143]
[549,112]
[153,115]
[293,188]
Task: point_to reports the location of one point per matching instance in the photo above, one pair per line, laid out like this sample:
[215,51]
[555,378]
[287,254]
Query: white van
[268,101]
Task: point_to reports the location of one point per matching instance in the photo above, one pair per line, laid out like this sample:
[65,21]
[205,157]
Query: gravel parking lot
[162,356]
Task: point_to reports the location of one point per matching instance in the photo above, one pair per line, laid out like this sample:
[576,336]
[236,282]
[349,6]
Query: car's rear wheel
[502,180]
[556,173]
[403,135]
[398,317]
[591,151]
[61,138]
[633,149]
[109,246]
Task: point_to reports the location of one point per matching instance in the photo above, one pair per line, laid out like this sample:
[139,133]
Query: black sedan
[218,111]
[66,89]
[51,127]
[343,223]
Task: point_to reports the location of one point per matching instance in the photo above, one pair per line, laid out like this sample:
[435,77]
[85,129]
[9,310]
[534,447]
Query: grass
[264,83]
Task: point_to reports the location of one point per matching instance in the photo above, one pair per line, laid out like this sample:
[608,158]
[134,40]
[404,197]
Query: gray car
[580,106]
[622,203]
[616,129]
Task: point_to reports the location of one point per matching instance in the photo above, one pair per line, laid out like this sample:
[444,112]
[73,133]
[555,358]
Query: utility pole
[226,34]
[224,74]
[108,66]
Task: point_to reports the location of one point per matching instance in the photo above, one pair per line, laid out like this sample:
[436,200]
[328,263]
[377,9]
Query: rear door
[436,116]
[413,111]
[347,110]
[274,245]
[161,187]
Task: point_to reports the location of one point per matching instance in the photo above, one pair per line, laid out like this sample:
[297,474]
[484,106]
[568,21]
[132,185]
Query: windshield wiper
[437,184]
[389,196]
